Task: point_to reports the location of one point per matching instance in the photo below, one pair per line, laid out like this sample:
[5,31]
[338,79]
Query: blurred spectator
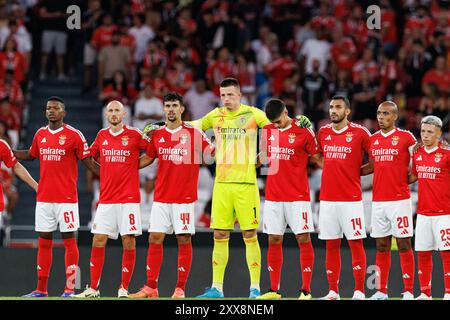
[11,88]
[435,49]
[20,34]
[91,20]
[179,77]
[119,89]
[126,38]
[364,98]
[154,57]
[366,63]
[102,36]
[112,58]
[421,22]
[342,50]
[355,28]
[142,34]
[439,76]
[13,61]
[388,24]
[281,67]
[10,117]
[317,48]
[186,53]
[414,64]
[148,108]
[54,34]
[245,72]
[289,96]
[342,86]
[199,100]
[221,68]
[314,92]
[434,103]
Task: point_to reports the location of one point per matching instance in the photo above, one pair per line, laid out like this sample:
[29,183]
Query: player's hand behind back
[303,121]
[150,127]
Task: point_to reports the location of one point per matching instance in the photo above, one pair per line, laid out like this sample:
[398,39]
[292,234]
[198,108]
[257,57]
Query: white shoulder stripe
[6,144]
[407,131]
[355,125]
[77,131]
[187,125]
[311,132]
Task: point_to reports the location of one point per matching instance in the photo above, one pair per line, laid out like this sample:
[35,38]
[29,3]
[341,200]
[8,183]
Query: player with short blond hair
[431,168]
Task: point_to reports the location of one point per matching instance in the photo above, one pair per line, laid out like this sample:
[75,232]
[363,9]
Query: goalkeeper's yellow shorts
[235,201]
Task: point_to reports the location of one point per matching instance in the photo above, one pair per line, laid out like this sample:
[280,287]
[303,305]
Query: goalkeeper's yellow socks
[219,262]
[253,255]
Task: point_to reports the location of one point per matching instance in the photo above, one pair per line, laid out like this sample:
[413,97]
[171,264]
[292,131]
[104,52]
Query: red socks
[445,256]
[306,264]
[128,261]
[333,263]
[71,261]
[97,260]
[358,263]
[44,263]
[383,262]
[407,264]
[154,260]
[425,266]
[274,263]
[184,264]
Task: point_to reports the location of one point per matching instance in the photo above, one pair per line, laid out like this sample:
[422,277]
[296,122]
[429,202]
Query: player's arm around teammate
[287,148]
[58,147]
[431,168]
[178,147]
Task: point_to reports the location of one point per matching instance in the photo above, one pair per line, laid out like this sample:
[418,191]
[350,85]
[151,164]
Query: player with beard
[342,144]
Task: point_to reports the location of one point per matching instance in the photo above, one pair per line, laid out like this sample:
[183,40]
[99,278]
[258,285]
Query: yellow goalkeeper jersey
[236,141]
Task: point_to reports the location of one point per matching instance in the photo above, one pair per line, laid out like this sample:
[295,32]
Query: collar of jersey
[340,131]
[287,128]
[387,134]
[55,131]
[432,150]
[115,134]
[232,113]
[174,130]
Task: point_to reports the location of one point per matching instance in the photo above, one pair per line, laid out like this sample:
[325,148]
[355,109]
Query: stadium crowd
[300,51]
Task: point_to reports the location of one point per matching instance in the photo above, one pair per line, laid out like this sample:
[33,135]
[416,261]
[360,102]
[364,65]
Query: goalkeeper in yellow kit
[236,193]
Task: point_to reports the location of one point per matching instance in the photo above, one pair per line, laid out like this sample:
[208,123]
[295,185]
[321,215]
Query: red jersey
[103,36]
[7,157]
[343,155]
[58,152]
[288,151]
[179,157]
[118,155]
[433,173]
[13,61]
[391,156]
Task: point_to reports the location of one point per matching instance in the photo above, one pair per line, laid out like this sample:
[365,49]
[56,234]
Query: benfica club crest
[62,139]
[291,137]
[349,137]
[437,157]
[242,120]
[395,140]
[183,138]
[125,141]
